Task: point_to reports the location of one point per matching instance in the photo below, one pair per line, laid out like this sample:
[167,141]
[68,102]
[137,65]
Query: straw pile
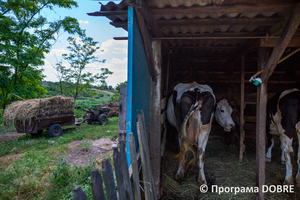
[24,111]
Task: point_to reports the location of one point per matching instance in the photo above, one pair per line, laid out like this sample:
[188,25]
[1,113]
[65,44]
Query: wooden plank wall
[225,80]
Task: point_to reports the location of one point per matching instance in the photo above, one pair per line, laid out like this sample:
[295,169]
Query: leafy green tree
[62,74]
[81,54]
[25,36]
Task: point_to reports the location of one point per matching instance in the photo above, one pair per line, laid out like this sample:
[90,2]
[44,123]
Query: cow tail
[185,120]
[186,147]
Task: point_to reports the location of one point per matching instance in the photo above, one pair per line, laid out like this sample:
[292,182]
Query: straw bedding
[24,111]
[222,168]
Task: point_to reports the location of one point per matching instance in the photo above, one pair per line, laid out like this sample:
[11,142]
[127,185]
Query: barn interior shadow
[222,168]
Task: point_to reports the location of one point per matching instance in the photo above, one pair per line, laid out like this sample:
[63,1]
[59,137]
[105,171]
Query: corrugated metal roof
[191,23]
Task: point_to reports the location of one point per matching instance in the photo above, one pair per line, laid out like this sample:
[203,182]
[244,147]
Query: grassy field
[102,96]
[36,167]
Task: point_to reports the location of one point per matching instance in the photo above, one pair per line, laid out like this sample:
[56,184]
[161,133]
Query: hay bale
[23,112]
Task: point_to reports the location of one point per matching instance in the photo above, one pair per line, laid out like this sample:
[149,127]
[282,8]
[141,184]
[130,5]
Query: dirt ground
[101,148]
[9,136]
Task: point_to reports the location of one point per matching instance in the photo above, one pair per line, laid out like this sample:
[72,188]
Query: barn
[222,43]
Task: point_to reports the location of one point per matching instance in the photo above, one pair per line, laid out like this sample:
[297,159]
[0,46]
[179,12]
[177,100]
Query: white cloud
[58,52]
[83,22]
[115,53]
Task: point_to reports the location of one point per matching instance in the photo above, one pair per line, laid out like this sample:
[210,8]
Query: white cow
[191,110]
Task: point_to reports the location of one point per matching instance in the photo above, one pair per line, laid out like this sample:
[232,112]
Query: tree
[81,54]
[116,96]
[25,36]
[62,74]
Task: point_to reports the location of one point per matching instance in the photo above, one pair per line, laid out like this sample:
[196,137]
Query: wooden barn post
[261,108]
[269,65]
[242,120]
[155,116]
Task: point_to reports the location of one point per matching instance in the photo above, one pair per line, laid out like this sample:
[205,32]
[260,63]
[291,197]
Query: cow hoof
[287,182]
[202,182]
[268,159]
[179,177]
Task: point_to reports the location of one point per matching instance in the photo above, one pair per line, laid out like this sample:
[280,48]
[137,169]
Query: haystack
[24,111]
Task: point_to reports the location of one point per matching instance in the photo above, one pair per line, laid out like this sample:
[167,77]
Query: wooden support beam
[147,44]
[155,118]
[261,109]
[242,120]
[221,21]
[236,8]
[109,13]
[284,40]
[294,42]
[143,9]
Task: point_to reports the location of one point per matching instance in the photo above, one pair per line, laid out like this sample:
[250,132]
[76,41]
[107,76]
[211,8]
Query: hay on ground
[24,111]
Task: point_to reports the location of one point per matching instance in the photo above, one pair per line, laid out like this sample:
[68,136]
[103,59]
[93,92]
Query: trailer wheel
[55,130]
[103,119]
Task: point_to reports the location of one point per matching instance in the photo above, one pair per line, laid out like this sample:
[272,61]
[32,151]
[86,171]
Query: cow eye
[221,111]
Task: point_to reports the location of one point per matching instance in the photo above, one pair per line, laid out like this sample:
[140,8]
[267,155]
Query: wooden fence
[119,183]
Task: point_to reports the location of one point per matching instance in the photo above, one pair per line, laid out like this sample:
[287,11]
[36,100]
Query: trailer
[52,123]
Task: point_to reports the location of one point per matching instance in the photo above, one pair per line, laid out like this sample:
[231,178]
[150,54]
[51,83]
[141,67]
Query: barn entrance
[219,43]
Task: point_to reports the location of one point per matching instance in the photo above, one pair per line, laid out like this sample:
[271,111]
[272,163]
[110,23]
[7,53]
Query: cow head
[223,115]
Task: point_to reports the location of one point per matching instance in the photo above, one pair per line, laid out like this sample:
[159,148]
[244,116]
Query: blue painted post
[138,80]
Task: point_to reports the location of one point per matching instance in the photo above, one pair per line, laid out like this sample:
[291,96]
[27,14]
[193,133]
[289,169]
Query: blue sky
[115,52]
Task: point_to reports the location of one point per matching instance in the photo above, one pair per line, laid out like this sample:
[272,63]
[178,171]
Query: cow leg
[181,156]
[298,156]
[202,142]
[286,146]
[269,152]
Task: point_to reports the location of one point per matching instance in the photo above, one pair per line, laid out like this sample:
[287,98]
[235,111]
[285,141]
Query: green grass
[42,172]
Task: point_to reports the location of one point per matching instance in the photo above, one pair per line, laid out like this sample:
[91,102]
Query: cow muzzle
[230,127]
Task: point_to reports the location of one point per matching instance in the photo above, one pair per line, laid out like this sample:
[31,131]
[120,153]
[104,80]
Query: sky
[114,51]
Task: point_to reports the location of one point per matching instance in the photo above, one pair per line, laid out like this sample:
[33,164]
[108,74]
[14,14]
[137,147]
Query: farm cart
[94,114]
[52,123]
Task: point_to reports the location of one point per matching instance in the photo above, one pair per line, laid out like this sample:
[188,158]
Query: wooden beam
[225,34]
[294,42]
[282,43]
[143,9]
[147,44]
[261,109]
[236,8]
[242,108]
[155,118]
[119,24]
[221,21]
[109,13]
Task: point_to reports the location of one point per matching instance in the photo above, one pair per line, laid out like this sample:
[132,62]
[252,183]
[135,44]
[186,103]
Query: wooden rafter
[282,43]
[225,34]
[147,44]
[221,21]
[237,8]
[109,13]
[119,24]
[146,13]
[294,42]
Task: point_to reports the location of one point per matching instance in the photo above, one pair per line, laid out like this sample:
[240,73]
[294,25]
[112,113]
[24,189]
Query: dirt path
[100,149]
[9,136]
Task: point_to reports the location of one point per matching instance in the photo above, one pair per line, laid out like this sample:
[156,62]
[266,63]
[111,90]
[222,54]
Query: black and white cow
[191,110]
[283,116]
